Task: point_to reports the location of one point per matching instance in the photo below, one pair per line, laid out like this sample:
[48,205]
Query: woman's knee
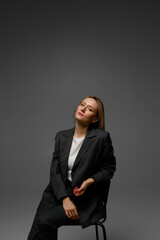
[44,223]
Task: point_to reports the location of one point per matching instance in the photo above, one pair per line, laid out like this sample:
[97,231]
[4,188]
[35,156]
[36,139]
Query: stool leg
[96,227]
[104,230]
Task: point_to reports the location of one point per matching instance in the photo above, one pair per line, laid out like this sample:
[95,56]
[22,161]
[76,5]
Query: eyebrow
[88,105]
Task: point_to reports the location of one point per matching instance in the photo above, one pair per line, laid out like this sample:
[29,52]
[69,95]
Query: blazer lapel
[65,146]
[88,141]
[66,143]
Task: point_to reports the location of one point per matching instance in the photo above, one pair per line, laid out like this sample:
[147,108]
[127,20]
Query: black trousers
[45,226]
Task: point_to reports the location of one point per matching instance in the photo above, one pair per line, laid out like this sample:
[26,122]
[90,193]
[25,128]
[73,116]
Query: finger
[76,190]
[76,193]
[73,215]
[68,214]
[81,189]
[80,193]
[76,214]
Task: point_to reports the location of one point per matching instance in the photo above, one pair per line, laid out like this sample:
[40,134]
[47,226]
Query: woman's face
[86,111]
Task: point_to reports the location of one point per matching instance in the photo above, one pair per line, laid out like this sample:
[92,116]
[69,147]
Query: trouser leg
[34,234]
[45,225]
[49,223]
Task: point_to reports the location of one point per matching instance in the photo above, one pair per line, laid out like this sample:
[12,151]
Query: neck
[80,130]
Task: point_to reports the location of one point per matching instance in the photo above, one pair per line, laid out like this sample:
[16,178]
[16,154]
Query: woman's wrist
[65,199]
[89,181]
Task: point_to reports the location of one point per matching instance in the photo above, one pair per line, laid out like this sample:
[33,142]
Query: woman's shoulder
[103,136]
[69,132]
[65,132]
[101,132]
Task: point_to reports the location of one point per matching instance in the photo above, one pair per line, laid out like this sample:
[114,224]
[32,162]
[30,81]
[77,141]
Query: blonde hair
[100,114]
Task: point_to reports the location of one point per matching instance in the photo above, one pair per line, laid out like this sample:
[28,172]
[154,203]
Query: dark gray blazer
[95,159]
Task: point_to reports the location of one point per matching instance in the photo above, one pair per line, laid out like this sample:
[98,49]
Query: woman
[82,162]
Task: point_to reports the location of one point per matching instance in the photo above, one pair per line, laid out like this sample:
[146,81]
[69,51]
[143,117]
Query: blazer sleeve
[56,181]
[108,162]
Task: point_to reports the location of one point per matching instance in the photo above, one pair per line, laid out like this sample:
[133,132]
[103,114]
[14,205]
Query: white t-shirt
[75,147]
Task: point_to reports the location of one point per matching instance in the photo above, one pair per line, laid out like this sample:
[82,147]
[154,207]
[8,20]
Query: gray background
[53,54]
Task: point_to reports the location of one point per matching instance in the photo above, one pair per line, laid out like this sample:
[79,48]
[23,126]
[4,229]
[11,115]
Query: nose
[83,108]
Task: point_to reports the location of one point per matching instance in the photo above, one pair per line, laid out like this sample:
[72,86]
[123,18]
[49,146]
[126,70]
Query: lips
[80,113]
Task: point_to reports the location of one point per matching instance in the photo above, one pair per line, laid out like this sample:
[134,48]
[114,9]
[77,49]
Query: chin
[77,116]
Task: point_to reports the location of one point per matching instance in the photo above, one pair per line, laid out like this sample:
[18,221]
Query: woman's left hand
[83,187]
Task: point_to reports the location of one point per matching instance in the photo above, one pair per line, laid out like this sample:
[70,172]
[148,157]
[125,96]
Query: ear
[95,120]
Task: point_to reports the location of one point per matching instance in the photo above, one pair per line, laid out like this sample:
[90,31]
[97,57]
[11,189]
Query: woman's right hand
[70,209]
